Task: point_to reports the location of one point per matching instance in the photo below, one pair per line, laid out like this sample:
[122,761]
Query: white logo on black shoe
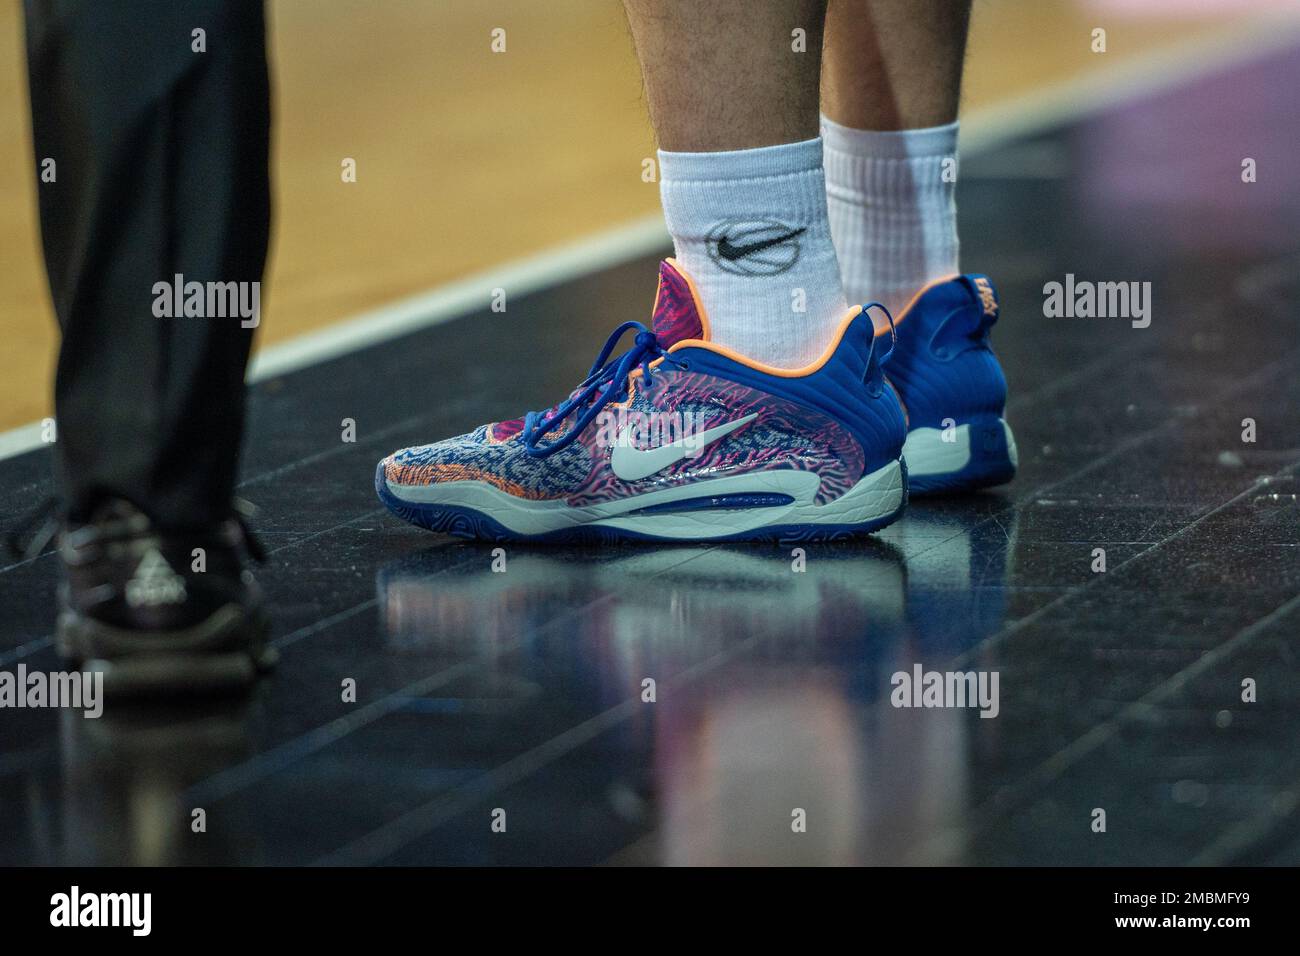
[154,582]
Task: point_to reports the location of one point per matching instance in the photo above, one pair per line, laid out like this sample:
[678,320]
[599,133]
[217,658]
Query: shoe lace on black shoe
[37,531]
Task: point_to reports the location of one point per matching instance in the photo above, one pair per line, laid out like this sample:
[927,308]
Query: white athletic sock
[750,227]
[893,209]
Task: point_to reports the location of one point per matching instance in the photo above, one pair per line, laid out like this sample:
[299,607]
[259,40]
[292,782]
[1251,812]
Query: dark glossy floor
[522,690]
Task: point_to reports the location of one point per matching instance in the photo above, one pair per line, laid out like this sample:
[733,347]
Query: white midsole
[876,495]
[928,452]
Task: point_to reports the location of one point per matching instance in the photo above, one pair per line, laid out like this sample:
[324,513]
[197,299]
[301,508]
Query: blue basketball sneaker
[677,439]
[952,389]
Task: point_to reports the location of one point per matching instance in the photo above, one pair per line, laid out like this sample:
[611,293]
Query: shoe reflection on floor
[771,738]
[125,775]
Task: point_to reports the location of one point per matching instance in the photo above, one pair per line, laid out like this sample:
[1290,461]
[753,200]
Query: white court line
[552,267]
[1254,38]
[19,440]
[982,130]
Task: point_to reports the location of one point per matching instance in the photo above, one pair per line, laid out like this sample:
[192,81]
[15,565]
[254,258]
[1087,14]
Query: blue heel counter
[944,366]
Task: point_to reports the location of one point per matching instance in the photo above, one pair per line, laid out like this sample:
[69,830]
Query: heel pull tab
[982,294]
[968,324]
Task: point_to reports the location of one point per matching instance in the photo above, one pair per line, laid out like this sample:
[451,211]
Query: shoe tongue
[676,314]
[676,317]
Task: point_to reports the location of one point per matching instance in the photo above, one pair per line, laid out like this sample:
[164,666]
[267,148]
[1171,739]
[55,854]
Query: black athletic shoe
[161,612]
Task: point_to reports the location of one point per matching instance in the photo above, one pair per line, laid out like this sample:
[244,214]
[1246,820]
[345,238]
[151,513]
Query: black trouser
[161,156]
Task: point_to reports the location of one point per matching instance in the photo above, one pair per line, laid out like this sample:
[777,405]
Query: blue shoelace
[606,382]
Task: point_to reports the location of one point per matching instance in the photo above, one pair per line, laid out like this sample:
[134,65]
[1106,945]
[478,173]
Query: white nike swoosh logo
[633,464]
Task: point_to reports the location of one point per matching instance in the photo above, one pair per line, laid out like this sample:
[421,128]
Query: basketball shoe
[138,607]
[952,388]
[677,439]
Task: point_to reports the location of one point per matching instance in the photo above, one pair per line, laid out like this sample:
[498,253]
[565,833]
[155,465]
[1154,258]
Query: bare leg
[894,64]
[891,82]
[891,87]
[721,74]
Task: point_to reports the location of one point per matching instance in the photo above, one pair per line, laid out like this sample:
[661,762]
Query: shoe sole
[979,453]
[223,654]
[473,509]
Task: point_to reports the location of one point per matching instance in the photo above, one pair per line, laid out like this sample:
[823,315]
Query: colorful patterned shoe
[953,389]
[677,439]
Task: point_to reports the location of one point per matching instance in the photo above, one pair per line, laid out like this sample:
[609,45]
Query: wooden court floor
[465,157]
